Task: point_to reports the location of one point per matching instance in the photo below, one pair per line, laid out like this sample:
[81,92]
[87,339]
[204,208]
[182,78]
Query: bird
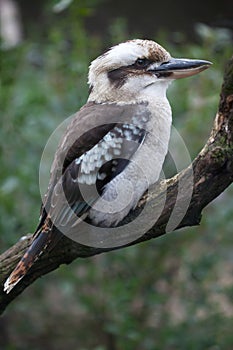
[115,143]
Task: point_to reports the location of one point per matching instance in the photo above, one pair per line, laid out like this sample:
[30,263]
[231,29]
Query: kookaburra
[115,143]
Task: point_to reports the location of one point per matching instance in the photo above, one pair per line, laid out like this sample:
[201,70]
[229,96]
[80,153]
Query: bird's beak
[178,68]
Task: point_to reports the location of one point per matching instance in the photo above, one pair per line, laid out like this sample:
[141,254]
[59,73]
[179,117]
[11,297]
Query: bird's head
[136,70]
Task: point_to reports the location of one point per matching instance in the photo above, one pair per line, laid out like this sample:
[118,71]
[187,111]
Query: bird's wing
[95,158]
[97,146]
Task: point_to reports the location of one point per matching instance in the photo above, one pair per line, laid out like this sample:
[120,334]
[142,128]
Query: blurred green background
[174,292]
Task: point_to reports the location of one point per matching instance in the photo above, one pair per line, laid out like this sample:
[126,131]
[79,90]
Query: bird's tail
[40,243]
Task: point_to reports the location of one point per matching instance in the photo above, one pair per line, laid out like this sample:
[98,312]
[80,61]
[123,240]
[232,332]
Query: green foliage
[171,293]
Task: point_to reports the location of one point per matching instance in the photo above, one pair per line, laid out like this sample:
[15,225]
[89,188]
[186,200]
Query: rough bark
[212,174]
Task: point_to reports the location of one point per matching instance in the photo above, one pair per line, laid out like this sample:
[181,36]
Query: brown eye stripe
[118,76]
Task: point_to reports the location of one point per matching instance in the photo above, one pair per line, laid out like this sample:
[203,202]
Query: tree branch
[212,172]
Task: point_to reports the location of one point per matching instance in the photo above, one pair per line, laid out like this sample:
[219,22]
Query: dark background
[143,17]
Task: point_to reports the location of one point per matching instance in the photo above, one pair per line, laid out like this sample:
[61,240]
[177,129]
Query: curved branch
[212,172]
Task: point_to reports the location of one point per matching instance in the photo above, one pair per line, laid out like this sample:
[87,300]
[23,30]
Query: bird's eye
[141,63]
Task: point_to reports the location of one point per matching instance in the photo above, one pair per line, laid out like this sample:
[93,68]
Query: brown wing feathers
[75,144]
